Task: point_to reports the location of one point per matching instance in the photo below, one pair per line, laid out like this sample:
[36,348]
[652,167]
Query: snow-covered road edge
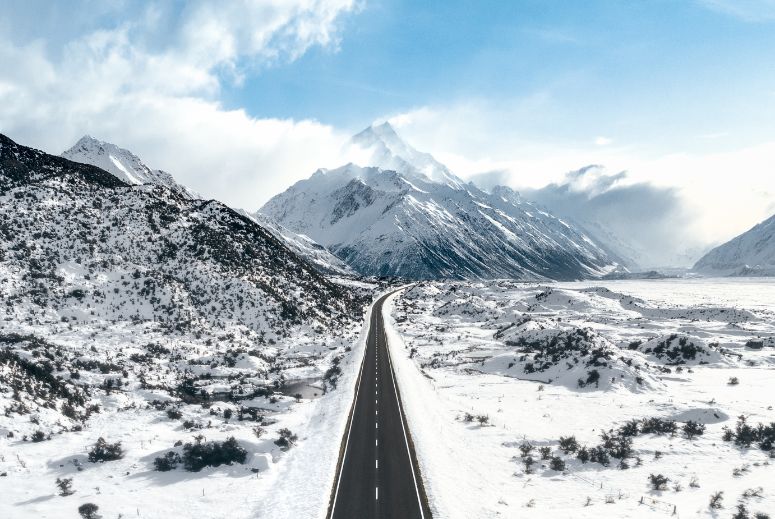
[433,441]
[301,486]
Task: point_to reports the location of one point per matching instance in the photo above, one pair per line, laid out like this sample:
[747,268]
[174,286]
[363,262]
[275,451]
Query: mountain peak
[390,152]
[122,163]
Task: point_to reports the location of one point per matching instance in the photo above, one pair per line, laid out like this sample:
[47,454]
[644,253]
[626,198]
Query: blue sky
[667,74]
[240,99]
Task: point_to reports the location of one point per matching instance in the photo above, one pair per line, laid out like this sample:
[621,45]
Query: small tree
[65,486]
[742,512]
[568,444]
[525,449]
[546,452]
[582,455]
[528,461]
[89,511]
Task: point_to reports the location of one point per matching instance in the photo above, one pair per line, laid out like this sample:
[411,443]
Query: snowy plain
[666,349]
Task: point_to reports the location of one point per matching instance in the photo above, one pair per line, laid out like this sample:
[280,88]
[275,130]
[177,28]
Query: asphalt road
[378,475]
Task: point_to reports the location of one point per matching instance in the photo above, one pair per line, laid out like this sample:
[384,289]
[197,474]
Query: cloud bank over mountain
[154,83]
[651,223]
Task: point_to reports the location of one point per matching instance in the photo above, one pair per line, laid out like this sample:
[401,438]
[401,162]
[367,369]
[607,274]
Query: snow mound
[677,349]
[577,358]
[706,416]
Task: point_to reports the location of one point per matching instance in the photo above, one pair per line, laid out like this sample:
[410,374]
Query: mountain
[314,253]
[129,168]
[123,164]
[751,253]
[410,216]
[79,244]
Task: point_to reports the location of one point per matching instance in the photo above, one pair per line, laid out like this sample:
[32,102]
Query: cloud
[641,222]
[603,141]
[720,192]
[151,83]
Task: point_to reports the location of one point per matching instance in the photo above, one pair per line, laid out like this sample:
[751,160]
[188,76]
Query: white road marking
[376,493]
[406,440]
[376,464]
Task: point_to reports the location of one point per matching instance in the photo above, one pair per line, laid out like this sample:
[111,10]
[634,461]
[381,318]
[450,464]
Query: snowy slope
[751,253]
[128,167]
[139,315]
[122,163]
[304,246]
[411,217]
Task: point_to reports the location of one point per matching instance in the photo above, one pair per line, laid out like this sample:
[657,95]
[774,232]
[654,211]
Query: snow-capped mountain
[129,168]
[123,164]
[389,151]
[749,254]
[416,219]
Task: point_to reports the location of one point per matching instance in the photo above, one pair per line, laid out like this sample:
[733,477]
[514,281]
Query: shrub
[286,439]
[167,462]
[174,413]
[104,451]
[630,428]
[38,436]
[65,487]
[692,429]
[568,444]
[658,481]
[715,500]
[733,381]
[557,463]
[658,426]
[599,455]
[546,452]
[483,419]
[744,435]
[528,462]
[88,511]
[199,455]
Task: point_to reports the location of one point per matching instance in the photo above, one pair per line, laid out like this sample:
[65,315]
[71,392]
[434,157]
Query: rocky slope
[129,168]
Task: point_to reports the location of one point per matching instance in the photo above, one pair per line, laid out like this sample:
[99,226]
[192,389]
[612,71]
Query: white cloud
[723,193]
[603,141]
[151,84]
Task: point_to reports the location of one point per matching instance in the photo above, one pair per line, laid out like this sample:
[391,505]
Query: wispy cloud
[747,10]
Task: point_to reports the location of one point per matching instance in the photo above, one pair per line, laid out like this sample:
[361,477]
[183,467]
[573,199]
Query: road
[378,475]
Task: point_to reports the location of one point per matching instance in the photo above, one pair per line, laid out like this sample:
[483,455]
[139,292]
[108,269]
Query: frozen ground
[522,358]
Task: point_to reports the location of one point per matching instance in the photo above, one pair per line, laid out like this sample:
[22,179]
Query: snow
[446,339]
[750,254]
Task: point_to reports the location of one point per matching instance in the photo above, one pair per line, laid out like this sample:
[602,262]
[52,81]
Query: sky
[240,99]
